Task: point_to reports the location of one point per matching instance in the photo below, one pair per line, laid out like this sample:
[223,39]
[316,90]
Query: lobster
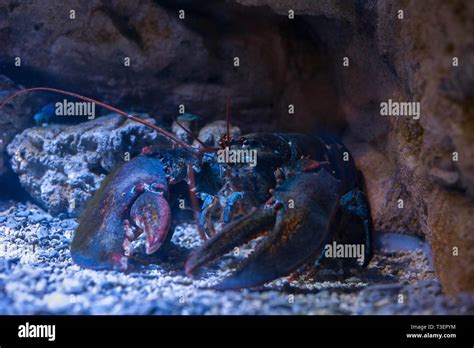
[301,193]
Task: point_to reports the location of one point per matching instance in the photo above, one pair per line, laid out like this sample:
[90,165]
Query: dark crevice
[98,170]
[11,189]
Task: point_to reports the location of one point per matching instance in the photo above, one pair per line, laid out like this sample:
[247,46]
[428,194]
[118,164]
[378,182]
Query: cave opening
[328,69]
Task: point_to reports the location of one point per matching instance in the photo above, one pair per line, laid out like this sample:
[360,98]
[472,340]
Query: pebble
[12,224]
[35,218]
[41,286]
[57,302]
[51,254]
[23,213]
[42,232]
[72,286]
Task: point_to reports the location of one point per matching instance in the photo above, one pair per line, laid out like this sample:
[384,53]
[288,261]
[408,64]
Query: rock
[72,286]
[338,9]
[413,160]
[57,302]
[61,166]
[184,125]
[12,120]
[51,254]
[40,286]
[37,218]
[23,213]
[212,133]
[144,32]
[448,179]
[175,62]
[42,232]
[12,224]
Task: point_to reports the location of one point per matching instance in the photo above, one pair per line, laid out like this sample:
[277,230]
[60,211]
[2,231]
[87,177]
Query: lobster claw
[131,201]
[299,220]
[151,214]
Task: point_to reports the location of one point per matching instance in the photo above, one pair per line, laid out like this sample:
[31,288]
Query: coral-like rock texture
[61,166]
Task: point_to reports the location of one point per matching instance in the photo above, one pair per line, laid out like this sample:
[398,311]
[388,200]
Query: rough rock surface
[172,61]
[212,133]
[13,119]
[409,59]
[411,159]
[61,166]
[37,276]
[333,9]
[439,189]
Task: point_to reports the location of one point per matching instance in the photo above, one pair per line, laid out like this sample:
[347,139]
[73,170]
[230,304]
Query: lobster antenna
[228,119]
[160,130]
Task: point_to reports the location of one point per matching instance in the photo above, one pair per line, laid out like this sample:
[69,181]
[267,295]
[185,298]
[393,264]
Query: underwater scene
[238,157]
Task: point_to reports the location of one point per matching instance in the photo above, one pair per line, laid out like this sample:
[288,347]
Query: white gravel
[37,276]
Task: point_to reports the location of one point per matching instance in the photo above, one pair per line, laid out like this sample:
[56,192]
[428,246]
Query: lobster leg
[233,202]
[355,203]
[211,207]
[233,206]
[236,233]
[297,235]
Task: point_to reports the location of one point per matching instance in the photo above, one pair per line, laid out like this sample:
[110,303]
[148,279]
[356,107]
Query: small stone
[12,224]
[57,302]
[67,224]
[41,286]
[42,232]
[72,286]
[52,254]
[37,218]
[23,213]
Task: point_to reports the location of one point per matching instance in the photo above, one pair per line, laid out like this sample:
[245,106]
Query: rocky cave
[333,61]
